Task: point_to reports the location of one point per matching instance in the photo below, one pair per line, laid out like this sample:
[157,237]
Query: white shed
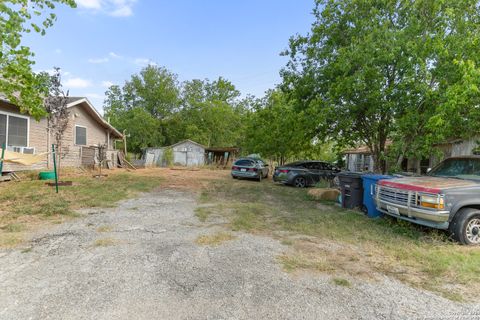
[188,153]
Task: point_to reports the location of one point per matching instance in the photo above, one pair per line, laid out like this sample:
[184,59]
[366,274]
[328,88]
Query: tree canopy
[157,110]
[17,81]
[374,70]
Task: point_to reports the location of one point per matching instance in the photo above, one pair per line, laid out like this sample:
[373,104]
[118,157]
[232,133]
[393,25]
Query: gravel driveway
[140,261]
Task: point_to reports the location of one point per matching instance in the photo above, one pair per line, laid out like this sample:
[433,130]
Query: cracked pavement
[145,264]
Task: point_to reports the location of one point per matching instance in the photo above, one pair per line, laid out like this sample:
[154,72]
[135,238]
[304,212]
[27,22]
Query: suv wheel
[465,227]
[300,182]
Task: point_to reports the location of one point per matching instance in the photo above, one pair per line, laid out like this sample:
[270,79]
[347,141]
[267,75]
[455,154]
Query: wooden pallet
[5,178]
[14,176]
[124,163]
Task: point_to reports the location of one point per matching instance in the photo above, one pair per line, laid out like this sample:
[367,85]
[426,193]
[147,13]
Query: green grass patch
[13,227]
[202,213]
[342,282]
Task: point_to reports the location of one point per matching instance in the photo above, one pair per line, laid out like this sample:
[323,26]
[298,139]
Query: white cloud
[124,11]
[77,83]
[93,96]
[90,4]
[115,8]
[144,62]
[107,84]
[114,55]
[98,60]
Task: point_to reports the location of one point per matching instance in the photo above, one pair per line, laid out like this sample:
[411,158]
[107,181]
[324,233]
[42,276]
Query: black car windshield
[468,168]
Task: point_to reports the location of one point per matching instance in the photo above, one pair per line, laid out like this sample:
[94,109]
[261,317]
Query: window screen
[3,129]
[80,136]
[17,131]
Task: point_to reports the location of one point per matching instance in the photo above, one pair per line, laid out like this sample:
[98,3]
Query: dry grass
[27,205]
[214,239]
[332,240]
[104,229]
[106,242]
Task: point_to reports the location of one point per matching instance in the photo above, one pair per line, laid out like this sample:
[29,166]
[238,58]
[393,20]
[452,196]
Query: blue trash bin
[369,183]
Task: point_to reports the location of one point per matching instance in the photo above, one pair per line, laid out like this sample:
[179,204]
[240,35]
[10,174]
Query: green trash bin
[47,175]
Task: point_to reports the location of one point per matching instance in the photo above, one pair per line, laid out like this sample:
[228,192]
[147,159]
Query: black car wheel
[300,182]
[465,227]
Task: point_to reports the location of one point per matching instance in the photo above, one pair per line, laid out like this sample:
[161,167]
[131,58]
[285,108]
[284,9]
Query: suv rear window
[244,162]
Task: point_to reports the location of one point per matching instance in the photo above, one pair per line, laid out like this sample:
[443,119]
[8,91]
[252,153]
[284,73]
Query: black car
[302,174]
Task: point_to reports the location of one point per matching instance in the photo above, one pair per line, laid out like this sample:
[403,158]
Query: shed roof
[187,140]
[222,149]
[363,149]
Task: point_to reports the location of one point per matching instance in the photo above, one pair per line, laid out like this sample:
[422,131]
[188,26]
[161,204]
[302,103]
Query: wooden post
[55,167]
[1,159]
[125,142]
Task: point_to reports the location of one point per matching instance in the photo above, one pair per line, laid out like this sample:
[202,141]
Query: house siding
[71,153]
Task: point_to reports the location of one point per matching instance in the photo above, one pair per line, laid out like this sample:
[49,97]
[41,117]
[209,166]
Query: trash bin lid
[350,174]
[376,177]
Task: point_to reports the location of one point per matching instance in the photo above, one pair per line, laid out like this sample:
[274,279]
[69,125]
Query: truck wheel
[465,226]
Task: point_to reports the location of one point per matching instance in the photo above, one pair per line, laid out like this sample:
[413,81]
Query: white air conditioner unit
[27,150]
[24,150]
[17,149]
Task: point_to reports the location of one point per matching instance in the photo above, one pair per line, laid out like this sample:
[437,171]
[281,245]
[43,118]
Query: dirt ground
[151,258]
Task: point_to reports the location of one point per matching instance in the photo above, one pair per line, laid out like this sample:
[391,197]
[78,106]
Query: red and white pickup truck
[448,198]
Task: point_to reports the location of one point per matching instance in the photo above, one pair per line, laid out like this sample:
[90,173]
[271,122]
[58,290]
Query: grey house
[186,153]
[360,159]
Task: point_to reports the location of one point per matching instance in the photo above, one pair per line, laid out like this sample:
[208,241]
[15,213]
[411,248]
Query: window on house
[80,136]
[3,129]
[13,131]
[17,131]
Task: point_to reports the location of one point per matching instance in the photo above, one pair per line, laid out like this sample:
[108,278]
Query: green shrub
[168,157]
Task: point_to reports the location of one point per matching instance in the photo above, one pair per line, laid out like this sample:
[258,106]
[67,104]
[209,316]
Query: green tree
[374,70]
[208,114]
[275,129]
[143,106]
[17,81]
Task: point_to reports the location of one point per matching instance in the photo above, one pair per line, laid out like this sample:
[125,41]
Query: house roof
[187,140]
[363,149]
[84,102]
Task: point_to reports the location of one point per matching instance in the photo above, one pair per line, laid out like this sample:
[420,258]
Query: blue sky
[104,42]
